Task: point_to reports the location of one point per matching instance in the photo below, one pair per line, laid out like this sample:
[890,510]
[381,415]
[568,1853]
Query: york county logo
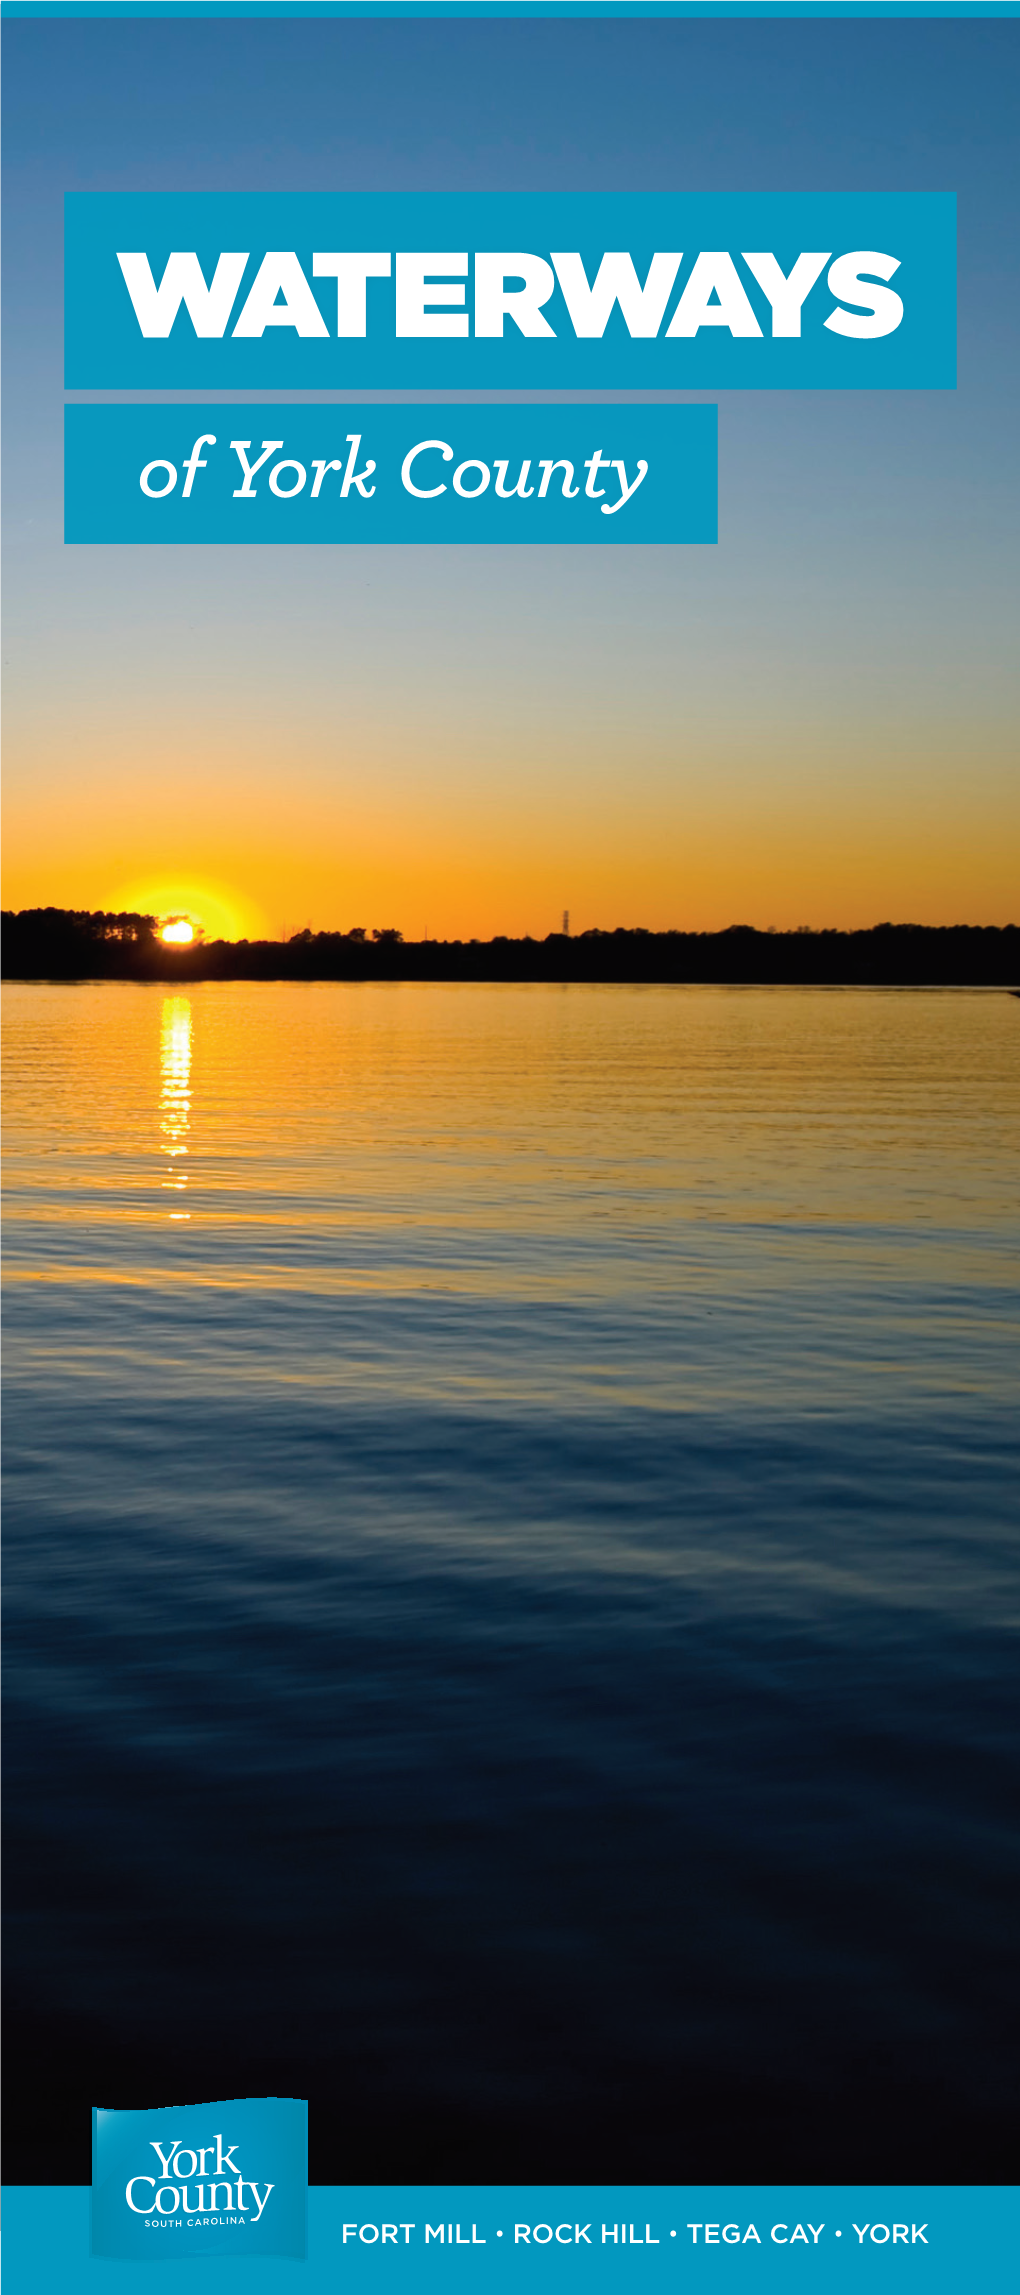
[201,2179]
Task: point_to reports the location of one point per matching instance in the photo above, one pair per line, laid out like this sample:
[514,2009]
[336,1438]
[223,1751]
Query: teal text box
[171,473]
[105,347]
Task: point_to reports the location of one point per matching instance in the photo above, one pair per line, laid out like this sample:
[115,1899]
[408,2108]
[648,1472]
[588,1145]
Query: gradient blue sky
[813,722]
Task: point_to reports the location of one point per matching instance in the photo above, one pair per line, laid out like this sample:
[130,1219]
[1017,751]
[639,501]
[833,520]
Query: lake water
[511,1571]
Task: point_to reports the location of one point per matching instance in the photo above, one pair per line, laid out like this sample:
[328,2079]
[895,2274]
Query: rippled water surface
[511,1566]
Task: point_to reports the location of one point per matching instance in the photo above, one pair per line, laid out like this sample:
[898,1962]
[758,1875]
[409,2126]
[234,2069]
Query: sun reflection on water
[175,1091]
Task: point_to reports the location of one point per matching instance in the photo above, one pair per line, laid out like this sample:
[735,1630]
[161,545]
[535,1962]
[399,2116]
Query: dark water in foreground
[511,1569]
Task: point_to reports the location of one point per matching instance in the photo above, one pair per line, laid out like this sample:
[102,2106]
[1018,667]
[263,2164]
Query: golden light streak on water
[175,1090]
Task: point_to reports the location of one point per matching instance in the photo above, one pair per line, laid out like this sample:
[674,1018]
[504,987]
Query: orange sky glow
[503,853]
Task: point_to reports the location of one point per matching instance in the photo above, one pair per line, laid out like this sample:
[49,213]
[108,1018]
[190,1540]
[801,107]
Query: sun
[212,908]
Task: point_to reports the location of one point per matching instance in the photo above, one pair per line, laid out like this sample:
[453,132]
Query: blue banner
[491,291]
[262,473]
[565,2240]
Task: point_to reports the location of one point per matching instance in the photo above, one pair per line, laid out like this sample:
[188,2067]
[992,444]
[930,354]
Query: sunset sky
[812,723]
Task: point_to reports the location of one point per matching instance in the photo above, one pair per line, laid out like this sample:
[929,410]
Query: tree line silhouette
[100,944]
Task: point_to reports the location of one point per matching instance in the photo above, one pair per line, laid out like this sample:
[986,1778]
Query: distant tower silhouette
[566,922]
